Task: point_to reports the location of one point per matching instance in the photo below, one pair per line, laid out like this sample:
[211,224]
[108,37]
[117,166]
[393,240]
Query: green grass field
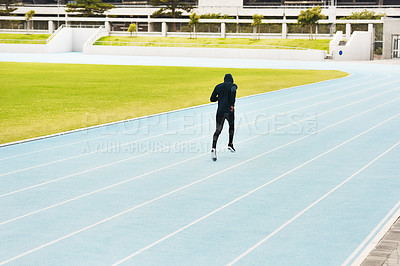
[17,36]
[39,99]
[300,43]
[25,38]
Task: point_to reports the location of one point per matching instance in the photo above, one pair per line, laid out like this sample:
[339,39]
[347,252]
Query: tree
[28,16]
[257,21]
[8,9]
[132,28]
[194,20]
[310,18]
[365,14]
[171,9]
[87,8]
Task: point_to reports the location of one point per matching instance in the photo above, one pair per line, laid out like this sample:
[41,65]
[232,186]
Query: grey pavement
[395,61]
[387,251]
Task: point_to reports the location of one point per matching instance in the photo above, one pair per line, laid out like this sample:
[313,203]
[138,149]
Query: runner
[225,94]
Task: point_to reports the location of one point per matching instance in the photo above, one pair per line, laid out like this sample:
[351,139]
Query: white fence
[16,41]
[101,32]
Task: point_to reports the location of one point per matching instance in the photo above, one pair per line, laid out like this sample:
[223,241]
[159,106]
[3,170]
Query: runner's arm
[214,95]
[233,95]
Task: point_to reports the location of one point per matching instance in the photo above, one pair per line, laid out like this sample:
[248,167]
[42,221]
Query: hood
[228,78]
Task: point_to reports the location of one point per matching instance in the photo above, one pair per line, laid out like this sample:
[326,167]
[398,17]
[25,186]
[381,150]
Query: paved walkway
[395,61]
[387,251]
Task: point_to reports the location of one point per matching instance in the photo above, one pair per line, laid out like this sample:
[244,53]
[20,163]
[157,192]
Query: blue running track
[315,178]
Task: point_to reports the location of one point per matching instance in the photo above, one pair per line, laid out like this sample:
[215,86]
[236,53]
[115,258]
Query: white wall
[335,41]
[61,42]
[357,48]
[277,54]
[390,26]
[79,37]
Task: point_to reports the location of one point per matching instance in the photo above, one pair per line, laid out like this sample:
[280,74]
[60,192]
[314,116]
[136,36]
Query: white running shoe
[213,154]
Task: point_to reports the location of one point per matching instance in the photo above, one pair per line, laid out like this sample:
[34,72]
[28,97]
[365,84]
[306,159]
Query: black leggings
[220,124]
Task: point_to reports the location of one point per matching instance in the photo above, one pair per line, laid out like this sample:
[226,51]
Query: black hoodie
[225,94]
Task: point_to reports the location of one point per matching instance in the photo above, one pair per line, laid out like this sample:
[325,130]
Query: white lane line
[176,190]
[390,218]
[165,167]
[168,147]
[186,109]
[249,193]
[311,205]
[186,128]
[99,190]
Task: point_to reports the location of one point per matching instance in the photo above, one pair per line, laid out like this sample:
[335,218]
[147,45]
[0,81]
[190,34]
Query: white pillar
[107,26]
[51,27]
[371,30]
[371,27]
[164,29]
[284,30]
[150,27]
[223,30]
[348,30]
[332,29]
[332,18]
[284,26]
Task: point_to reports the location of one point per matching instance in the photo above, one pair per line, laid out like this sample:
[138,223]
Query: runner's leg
[231,121]
[220,119]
